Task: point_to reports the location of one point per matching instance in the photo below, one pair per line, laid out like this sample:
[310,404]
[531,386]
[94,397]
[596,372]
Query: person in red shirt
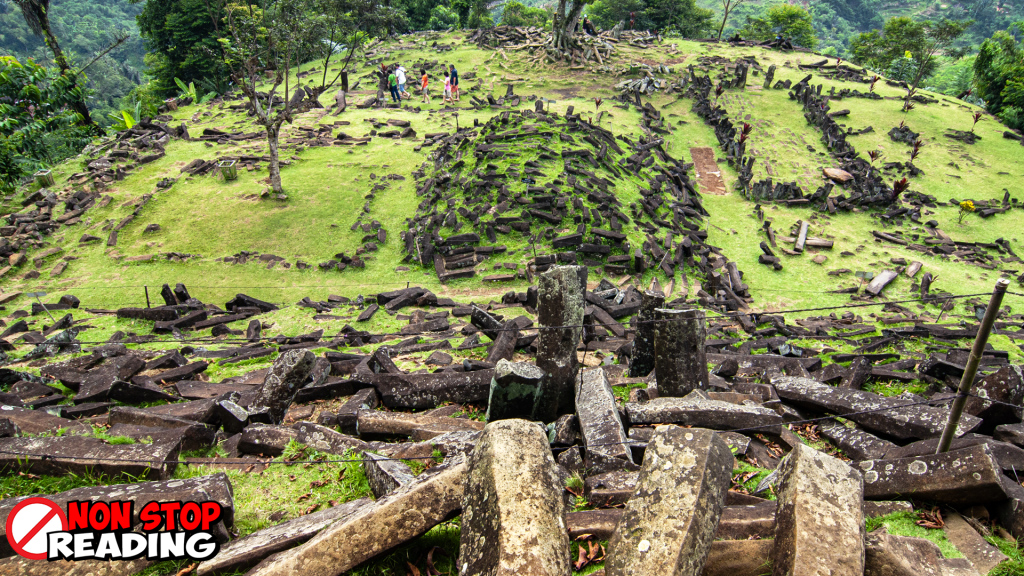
[423,86]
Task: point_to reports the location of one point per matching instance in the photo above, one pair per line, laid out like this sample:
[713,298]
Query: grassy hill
[205,219]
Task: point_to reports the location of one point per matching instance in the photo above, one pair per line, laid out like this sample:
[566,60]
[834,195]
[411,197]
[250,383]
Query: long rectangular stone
[966,476]
[889,416]
[76,454]
[696,409]
[429,390]
[599,421]
[394,519]
[38,421]
[857,444]
[819,520]
[669,524]
[403,423]
[249,550]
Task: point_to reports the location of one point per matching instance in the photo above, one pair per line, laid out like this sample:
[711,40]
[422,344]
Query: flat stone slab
[857,444]
[982,555]
[598,416]
[966,476]
[399,517]
[76,454]
[819,520]
[670,522]
[253,548]
[889,555]
[24,567]
[38,421]
[738,558]
[513,513]
[403,423]
[696,409]
[384,474]
[891,416]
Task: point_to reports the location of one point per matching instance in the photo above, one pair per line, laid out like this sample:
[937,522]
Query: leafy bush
[902,69]
[442,18]
[1013,117]
[516,14]
[791,22]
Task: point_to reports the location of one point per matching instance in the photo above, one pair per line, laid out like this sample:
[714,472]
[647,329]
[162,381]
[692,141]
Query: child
[393,85]
[455,83]
[448,87]
[423,86]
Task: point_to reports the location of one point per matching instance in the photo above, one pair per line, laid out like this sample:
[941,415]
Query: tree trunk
[558,24]
[65,69]
[275,162]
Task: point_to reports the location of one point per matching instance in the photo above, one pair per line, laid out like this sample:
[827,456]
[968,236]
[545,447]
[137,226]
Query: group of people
[397,78]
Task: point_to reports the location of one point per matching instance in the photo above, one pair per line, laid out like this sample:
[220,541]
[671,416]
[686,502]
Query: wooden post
[967,382]
[680,362]
[147,296]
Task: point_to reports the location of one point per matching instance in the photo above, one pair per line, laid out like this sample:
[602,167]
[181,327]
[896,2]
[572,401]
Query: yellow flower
[967,206]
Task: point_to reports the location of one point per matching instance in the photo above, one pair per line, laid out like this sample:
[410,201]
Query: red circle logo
[29,523]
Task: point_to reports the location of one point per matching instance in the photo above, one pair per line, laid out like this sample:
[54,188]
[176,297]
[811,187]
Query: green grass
[14,485]
[1014,566]
[904,524]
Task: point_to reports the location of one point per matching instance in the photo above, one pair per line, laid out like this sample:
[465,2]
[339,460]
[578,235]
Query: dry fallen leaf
[582,560]
[413,570]
[310,509]
[304,497]
[932,520]
[186,569]
[431,569]
[317,484]
[291,477]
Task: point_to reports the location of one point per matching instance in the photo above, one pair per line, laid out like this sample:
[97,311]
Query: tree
[443,18]
[342,27]
[999,76]
[181,40]
[788,21]
[265,36]
[563,25]
[882,49]
[939,39]
[682,17]
[38,126]
[37,17]
[516,14]
[727,7]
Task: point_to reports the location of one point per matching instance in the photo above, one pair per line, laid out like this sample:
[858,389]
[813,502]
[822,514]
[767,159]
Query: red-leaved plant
[745,132]
[976,116]
[915,151]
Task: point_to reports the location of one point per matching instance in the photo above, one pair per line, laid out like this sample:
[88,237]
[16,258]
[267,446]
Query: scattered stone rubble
[656,467]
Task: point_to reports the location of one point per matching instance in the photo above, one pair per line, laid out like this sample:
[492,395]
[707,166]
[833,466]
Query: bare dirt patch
[708,173]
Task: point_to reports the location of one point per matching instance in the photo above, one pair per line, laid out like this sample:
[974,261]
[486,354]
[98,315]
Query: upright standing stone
[513,515]
[819,524]
[560,302]
[642,360]
[669,523]
[281,384]
[599,421]
[680,363]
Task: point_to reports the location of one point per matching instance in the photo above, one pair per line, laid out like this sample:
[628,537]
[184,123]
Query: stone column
[560,302]
[513,514]
[642,360]
[680,363]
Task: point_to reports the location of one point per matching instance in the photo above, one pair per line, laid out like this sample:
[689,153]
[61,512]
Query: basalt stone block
[375,422]
[857,444]
[641,363]
[384,474]
[819,520]
[249,550]
[97,383]
[514,390]
[504,346]
[889,415]
[610,489]
[421,391]
[24,567]
[1005,386]
[76,454]
[560,302]
[192,437]
[266,440]
[509,526]
[967,476]
[284,380]
[326,440]
[680,361]
[753,521]
[399,517]
[738,558]
[233,418]
[1012,433]
[697,410]
[39,422]
[8,429]
[598,523]
[347,416]
[598,416]
[669,523]
[890,555]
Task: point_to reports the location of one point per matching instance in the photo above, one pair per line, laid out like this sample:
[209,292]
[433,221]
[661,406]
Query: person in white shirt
[400,73]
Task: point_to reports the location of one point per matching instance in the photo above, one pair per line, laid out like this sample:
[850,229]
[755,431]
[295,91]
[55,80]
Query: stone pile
[654,446]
